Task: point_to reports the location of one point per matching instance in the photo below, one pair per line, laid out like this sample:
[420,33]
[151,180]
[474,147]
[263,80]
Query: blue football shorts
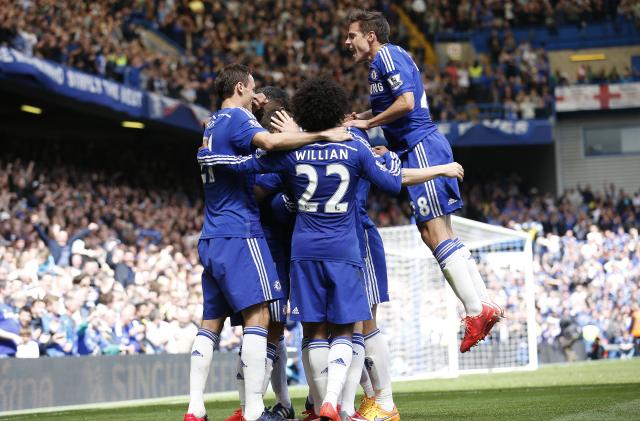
[238,273]
[375,268]
[437,197]
[328,291]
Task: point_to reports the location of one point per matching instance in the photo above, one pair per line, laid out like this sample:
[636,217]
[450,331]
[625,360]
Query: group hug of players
[286,231]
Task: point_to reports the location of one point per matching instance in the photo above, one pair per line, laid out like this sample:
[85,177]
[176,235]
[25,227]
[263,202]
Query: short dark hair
[225,84]
[319,104]
[275,94]
[371,21]
[265,119]
[278,99]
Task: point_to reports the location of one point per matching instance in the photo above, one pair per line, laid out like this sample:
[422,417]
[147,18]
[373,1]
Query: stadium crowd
[443,16]
[285,41]
[91,265]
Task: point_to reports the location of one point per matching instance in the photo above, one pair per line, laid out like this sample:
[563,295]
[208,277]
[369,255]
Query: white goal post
[422,320]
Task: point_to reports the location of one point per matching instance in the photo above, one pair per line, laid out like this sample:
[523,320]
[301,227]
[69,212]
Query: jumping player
[399,105]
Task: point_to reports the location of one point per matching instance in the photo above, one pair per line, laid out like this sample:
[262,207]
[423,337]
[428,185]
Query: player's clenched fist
[453,170]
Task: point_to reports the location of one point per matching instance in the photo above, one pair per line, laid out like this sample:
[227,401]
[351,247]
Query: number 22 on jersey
[334,204]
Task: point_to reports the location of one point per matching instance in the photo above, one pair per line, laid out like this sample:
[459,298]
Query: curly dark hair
[319,104]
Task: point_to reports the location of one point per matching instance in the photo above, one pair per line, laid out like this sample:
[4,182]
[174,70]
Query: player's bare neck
[375,47]
[233,102]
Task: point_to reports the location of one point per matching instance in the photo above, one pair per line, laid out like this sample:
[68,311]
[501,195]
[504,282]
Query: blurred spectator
[286,41]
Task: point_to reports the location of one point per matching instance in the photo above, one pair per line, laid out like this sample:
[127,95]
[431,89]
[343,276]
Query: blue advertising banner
[492,132]
[96,90]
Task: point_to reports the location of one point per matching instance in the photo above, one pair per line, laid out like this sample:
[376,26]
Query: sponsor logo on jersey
[295,311]
[339,361]
[326,370]
[376,88]
[196,353]
[452,201]
[239,377]
[395,81]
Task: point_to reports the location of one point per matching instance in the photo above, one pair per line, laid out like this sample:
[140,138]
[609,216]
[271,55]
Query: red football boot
[496,318]
[475,327]
[191,417]
[328,413]
[237,416]
[310,415]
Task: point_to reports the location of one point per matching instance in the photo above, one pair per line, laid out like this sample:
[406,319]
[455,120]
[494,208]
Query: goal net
[422,320]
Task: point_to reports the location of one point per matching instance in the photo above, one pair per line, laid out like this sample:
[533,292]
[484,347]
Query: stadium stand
[284,43]
[131,283]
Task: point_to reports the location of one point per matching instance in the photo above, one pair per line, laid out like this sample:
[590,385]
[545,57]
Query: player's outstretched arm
[287,141]
[411,176]
[403,105]
[365,115]
[386,176]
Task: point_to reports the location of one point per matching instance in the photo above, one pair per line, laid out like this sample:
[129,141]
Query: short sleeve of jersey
[395,70]
[271,182]
[388,179]
[246,127]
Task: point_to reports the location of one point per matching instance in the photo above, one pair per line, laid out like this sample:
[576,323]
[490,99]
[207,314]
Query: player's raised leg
[478,281]
[432,202]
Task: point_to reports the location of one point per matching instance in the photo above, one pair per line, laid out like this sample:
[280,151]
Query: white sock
[378,366]
[365,381]
[240,379]
[254,354]
[319,370]
[268,367]
[340,357]
[279,375]
[306,366]
[456,271]
[350,387]
[204,344]
[474,272]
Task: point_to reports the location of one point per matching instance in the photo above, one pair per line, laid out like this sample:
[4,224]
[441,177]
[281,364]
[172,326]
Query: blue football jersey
[324,178]
[392,73]
[229,201]
[277,211]
[364,185]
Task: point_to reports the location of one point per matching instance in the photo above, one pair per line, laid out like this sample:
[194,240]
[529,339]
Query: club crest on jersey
[277,286]
[260,153]
[373,74]
[395,81]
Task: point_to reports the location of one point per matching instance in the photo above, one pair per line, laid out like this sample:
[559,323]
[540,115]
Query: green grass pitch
[606,390]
